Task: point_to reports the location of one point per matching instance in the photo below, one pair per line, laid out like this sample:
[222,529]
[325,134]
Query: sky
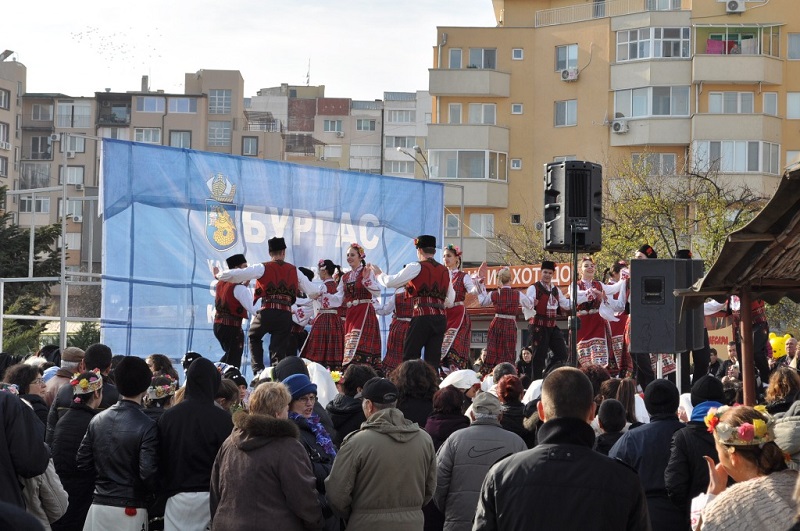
[356,48]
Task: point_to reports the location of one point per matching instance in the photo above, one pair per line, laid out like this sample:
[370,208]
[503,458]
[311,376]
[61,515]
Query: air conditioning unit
[619,127]
[70,154]
[339,134]
[735,6]
[569,74]
[55,137]
[77,219]
[5,145]
[79,187]
[106,103]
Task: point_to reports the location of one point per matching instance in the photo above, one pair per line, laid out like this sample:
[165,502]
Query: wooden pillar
[748,364]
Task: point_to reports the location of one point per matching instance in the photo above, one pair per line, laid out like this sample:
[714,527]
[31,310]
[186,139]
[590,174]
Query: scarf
[321,436]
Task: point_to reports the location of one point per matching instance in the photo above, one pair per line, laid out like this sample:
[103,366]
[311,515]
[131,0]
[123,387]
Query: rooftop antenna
[308,73]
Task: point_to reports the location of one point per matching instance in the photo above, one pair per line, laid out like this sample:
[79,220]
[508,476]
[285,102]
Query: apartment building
[711,85]
[12,87]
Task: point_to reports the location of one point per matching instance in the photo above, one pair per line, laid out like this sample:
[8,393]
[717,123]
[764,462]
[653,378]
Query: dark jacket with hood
[346,415]
[63,402]
[512,420]
[39,406]
[22,450]
[441,425]
[262,478]
[191,433]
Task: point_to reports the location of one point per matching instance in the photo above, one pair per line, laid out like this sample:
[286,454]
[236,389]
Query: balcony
[737,127]
[477,193]
[36,155]
[763,184]
[717,68]
[478,82]
[659,72]
[653,131]
[594,10]
[468,136]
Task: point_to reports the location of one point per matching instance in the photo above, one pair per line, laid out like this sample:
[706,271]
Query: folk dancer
[232,302]
[325,342]
[619,272]
[594,334]
[428,284]
[277,282]
[545,335]
[402,307]
[302,312]
[458,336]
[501,342]
[362,338]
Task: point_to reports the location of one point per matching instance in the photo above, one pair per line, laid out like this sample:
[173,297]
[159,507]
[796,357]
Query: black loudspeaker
[573,206]
[657,323]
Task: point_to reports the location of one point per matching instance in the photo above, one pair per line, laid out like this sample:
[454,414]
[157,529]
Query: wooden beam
[750,237]
[748,364]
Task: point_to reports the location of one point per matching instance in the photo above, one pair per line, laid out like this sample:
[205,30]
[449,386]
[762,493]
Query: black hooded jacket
[347,416]
[191,433]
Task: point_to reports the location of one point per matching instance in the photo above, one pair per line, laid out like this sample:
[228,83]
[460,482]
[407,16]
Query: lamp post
[426,171]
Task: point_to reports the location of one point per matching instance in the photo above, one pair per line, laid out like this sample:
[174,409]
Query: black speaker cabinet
[657,323]
[573,206]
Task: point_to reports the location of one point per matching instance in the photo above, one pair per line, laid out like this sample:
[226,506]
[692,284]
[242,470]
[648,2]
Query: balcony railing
[594,10]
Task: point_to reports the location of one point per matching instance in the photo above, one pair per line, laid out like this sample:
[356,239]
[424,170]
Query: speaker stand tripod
[574,323]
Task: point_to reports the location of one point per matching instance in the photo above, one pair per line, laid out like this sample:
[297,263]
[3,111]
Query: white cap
[463,379]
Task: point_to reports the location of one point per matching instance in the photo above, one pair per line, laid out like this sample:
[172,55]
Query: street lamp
[426,171]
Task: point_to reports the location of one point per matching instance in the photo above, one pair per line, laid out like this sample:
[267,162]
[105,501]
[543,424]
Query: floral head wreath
[451,247]
[154,392]
[587,258]
[9,388]
[359,250]
[747,434]
[90,384]
[321,264]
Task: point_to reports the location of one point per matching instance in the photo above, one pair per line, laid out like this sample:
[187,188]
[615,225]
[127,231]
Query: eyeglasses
[307,399]
[39,381]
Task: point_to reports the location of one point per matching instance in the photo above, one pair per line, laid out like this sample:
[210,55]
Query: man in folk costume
[428,284]
[458,337]
[544,332]
[401,305]
[233,302]
[277,284]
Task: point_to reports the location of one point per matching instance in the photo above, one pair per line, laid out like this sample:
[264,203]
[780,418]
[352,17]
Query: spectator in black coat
[416,380]
[447,416]
[97,357]
[190,435]
[714,364]
[31,387]
[611,418]
[509,391]
[686,475]
[66,440]
[345,410]
[525,367]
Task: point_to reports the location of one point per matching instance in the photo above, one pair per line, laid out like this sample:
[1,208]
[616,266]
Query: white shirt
[325,300]
[410,272]
[485,298]
[256,271]
[245,298]
[562,301]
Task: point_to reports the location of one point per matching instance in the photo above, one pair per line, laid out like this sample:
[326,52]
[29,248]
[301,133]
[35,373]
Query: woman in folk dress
[401,305]
[325,342]
[458,337]
[362,338]
[619,272]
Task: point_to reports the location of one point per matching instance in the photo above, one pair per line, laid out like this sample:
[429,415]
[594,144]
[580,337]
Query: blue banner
[170,215]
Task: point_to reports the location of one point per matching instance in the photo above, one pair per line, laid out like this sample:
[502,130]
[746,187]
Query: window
[516,108]
[736,156]
[400,166]
[793,105]
[452,226]
[74,208]
[516,219]
[73,241]
[183,105]
[219,101]
[771,103]
[663,5]
[148,135]
[651,101]
[454,113]
[730,103]
[794,46]
[401,117]
[482,58]
[219,133]
[455,57]
[482,113]
[400,141]
[365,150]
[656,163]
[42,204]
[517,54]
[646,43]
[72,114]
[566,57]
[4,132]
[365,125]
[468,164]
[3,166]
[76,143]
[250,146]
[5,99]
[150,104]
[332,152]
[331,126]
[181,139]
[40,148]
[42,112]
[481,225]
[792,157]
[34,175]
[516,164]
[74,174]
[566,113]
[564,158]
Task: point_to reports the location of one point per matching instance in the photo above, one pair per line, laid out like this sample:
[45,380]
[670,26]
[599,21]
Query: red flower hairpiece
[359,249]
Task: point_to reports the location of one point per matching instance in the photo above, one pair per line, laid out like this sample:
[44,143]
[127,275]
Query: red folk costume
[362,338]
[402,307]
[229,311]
[278,286]
[458,337]
[325,342]
[594,334]
[501,343]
